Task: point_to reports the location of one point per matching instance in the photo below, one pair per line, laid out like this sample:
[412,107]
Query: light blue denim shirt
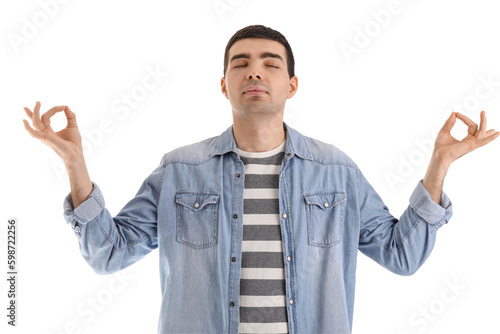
[191,209]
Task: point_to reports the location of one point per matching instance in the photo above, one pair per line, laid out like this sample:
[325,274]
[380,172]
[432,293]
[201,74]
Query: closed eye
[246,65]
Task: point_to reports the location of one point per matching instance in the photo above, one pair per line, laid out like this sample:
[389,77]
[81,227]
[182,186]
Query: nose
[254,73]
[254,76]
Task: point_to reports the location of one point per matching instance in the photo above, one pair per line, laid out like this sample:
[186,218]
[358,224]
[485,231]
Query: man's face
[257,78]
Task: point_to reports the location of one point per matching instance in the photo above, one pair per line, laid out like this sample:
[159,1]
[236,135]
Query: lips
[255,90]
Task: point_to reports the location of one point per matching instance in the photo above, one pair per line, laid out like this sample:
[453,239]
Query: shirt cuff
[87,210]
[427,209]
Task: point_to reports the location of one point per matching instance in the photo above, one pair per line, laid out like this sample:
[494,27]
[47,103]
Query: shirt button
[284,215]
[238,175]
[326,205]
[288,154]
[235,216]
[233,259]
[291,301]
[231,303]
[289,258]
[197,205]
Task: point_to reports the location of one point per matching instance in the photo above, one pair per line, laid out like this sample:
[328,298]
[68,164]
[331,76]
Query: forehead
[255,46]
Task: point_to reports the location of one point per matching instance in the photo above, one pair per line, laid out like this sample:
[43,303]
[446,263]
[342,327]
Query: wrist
[434,177]
[75,162]
[441,160]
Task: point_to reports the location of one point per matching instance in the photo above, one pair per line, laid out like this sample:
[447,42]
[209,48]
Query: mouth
[255,90]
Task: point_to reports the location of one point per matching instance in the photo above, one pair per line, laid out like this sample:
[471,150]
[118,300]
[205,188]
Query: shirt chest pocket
[197,217]
[325,217]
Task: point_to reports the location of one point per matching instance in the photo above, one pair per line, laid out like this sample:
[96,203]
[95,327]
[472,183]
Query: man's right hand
[67,143]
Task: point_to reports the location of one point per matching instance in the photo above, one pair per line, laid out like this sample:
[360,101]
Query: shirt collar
[296,143]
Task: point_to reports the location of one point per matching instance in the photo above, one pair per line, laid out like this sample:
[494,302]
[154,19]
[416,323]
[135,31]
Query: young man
[258,229]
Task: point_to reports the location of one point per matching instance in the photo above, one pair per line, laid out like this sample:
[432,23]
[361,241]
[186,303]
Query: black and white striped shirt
[262,288]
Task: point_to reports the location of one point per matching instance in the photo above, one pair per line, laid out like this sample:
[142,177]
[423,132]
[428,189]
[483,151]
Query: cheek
[231,92]
[230,87]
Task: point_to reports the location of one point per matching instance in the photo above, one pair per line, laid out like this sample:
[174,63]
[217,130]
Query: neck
[257,134]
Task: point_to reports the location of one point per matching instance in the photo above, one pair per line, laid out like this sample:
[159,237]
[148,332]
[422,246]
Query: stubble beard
[258,107]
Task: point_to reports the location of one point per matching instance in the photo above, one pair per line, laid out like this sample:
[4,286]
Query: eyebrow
[262,56]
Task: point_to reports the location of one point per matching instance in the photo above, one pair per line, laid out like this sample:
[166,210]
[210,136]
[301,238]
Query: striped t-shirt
[262,286]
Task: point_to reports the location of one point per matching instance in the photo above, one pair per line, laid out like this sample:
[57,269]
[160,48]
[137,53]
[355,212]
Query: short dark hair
[260,31]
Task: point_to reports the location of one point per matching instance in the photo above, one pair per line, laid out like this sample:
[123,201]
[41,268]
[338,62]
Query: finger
[482,124]
[489,132]
[450,122]
[70,116]
[486,140]
[33,132]
[472,126]
[49,113]
[29,113]
[36,117]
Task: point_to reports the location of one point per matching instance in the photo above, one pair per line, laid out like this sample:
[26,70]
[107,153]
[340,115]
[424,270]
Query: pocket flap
[325,200]
[196,201]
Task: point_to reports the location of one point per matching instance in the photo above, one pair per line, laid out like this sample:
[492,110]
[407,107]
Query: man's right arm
[107,243]
[79,181]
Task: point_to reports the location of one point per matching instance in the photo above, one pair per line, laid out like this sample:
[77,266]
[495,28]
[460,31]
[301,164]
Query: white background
[394,93]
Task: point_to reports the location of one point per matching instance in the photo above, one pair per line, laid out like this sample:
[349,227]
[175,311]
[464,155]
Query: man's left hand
[447,149]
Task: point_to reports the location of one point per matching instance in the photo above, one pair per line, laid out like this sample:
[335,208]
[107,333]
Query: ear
[294,85]
[223,87]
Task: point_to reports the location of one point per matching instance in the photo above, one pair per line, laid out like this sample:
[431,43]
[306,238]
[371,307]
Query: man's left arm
[402,245]
[447,149]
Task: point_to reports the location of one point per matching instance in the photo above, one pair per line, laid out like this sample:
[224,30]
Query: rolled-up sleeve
[433,213]
[400,245]
[86,211]
[108,243]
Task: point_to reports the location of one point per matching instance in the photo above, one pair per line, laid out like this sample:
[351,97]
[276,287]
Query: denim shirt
[191,209]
